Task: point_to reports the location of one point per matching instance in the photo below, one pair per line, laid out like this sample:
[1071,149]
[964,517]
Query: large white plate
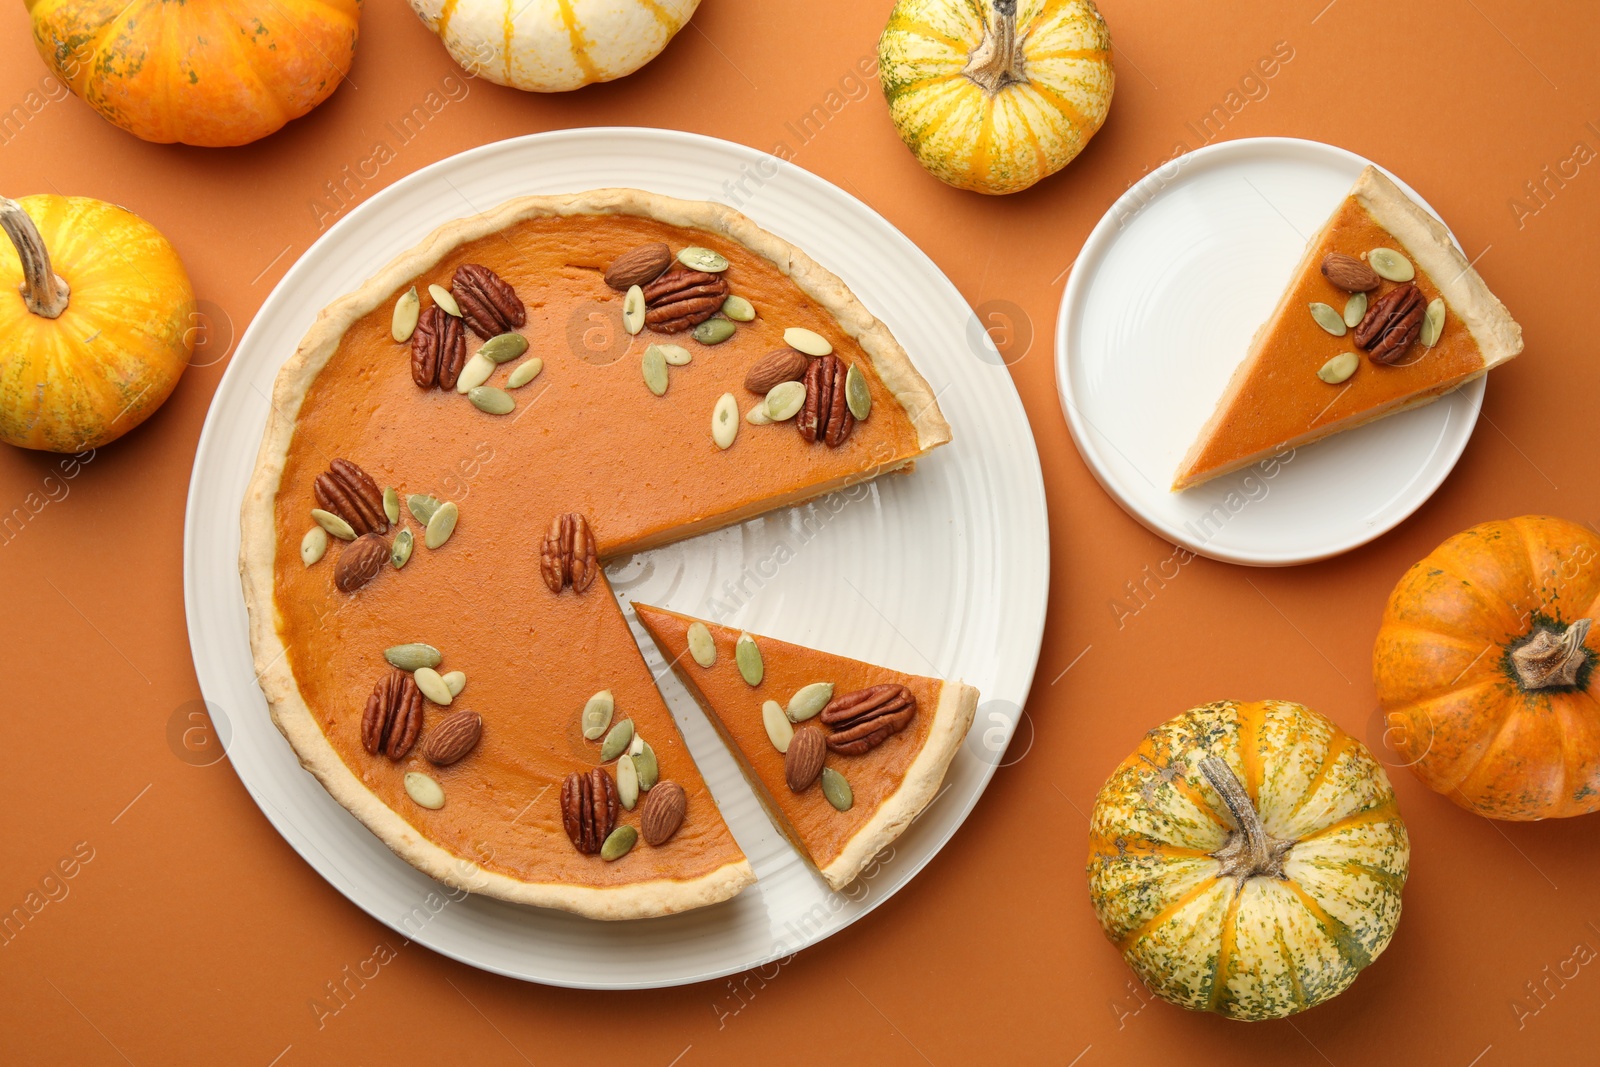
[1159,310]
[940,572]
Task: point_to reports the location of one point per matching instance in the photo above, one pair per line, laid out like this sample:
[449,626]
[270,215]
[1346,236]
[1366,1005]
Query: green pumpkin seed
[856,394]
[809,700]
[504,348]
[313,545]
[738,309]
[748,657]
[807,341]
[424,790]
[836,789]
[785,400]
[713,331]
[627,784]
[400,551]
[780,731]
[644,762]
[431,682]
[633,309]
[422,507]
[477,371]
[391,504]
[757,415]
[696,258]
[1391,265]
[675,355]
[654,367]
[619,843]
[441,525]
[1355,309]
[1339,368]
[404,322]
[455,681]
[1432,323]
[701,646]
[616,742]
[333,524]
[412,656]
[597,715]
[1328,319]
[492,401]
[725,421]
[525,372]
[445,299]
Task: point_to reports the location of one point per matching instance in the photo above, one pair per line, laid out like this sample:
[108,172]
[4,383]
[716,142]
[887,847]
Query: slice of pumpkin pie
[1382,314]
[844,754]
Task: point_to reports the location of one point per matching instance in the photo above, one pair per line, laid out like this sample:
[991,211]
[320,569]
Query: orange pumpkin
[1485,666]
[212,73]
[95,322]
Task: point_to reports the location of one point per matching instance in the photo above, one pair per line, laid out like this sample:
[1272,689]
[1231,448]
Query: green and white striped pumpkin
[1248,859]
[993,95]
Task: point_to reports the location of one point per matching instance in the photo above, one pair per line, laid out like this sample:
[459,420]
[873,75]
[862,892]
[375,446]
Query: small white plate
[940,572]
[1159,310]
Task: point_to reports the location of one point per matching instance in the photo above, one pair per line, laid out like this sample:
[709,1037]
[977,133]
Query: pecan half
[826,416]
[360,561]
[589,809]
[490,306]
[639,266]
[865,719]
[350,493]
[568,554]
[1392,322]
[682,298]
[438,349]
[393,718]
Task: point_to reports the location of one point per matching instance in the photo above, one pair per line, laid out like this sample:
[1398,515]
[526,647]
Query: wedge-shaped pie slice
[888,736]
[1308,374]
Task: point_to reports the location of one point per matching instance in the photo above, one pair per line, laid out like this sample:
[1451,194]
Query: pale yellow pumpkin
[992,95]
[550,46]
[1248,859]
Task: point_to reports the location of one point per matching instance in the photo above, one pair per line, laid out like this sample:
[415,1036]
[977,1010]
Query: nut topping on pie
[393,718]
[826,416]
[490,306]
[360,562]
[803,762]
[1349,273]
[863,720]
[438,349]
[589,809]
[350,493]
[683,298]
[453,738]
[663,812]
[773,369]
[1392,322]
[639,266]
[568,556]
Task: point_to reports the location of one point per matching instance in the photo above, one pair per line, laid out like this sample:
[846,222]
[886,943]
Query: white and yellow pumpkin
[550,46]
[1248,859]
[992,95]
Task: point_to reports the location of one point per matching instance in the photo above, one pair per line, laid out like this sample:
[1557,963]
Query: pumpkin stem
[42,289]
[997,61]
[1250,850]
[1553,658]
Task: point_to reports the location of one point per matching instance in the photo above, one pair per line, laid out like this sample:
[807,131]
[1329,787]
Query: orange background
[194,934]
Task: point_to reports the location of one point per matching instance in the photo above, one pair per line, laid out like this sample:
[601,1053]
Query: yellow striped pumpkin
[550,46]
[1248,859]
[992,95]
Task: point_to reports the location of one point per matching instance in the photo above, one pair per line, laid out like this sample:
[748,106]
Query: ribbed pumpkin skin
[204,72]
[1007,140]
[84,379]
[1278,946]
[551,46]
[1456,707]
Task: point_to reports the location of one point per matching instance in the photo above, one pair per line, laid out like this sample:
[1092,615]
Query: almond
[360,562]
[455,736]
[1349,273]
[803,762]
[775,368]
[641,266]
[663,812]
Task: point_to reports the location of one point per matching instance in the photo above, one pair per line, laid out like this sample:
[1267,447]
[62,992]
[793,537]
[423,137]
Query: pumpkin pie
[844,754]
[1382,314]
[454,451]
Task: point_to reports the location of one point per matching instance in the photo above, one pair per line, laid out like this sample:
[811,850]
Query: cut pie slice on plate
[844,754]
[1382,314]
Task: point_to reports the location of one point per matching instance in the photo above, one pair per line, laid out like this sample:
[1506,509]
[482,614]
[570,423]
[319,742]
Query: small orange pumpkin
[1485,666]
[211,73]
[93,342]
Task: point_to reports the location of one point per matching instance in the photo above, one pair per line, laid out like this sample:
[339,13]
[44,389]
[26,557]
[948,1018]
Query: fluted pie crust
[346,391]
